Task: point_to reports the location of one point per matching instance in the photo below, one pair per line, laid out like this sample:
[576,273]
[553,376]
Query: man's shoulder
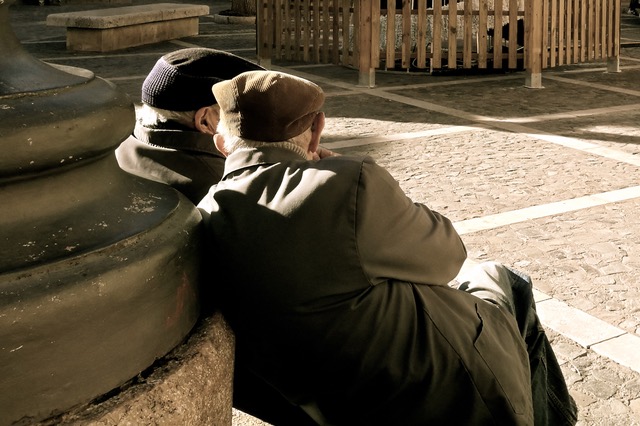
[366,167]
[345,161]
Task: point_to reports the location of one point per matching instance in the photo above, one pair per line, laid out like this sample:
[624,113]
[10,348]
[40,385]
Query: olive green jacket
[335,283]
[182,158]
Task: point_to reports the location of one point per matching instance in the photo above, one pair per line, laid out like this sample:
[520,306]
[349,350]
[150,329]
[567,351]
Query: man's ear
[218,141]
[316,131]
[206,119]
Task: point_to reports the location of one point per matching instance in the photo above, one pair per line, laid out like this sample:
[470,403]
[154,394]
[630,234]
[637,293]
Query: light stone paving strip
[350,143]
[592,85]
[572,114]
[586,330]
[543,210]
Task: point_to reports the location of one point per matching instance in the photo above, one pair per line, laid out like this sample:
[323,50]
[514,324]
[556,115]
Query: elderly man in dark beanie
[341,290]
[172,141]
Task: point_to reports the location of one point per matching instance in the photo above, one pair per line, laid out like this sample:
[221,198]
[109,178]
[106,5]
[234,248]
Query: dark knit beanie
[268,106]
[182,80]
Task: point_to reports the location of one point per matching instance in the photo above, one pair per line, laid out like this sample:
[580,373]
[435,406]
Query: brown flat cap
[268,106]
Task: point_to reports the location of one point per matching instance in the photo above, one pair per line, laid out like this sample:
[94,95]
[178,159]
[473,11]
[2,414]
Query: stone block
[109,29]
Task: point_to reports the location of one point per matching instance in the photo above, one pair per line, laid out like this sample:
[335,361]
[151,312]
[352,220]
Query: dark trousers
[552,403]
[513,291]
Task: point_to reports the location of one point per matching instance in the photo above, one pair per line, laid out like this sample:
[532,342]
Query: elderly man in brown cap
[172,141]
[339,287]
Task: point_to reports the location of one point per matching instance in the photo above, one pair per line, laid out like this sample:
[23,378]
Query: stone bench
[116,28]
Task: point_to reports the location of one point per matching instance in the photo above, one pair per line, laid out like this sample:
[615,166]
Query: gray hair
[149,116]
[298,144]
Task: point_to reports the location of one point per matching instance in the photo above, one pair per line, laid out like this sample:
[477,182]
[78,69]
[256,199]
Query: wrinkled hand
[324,153]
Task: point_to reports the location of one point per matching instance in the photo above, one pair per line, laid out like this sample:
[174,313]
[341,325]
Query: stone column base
[192,385]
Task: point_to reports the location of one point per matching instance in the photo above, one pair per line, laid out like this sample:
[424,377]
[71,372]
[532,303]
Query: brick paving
[542,179]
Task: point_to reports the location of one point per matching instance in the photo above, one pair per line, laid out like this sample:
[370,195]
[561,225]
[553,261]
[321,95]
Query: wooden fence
[580,31]
[440,35]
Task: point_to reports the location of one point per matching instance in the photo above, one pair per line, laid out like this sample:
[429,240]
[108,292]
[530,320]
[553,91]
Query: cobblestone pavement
[545,179]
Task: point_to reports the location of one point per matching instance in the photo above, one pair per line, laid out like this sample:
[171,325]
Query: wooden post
[613,59]
[436,38]
[534,27]
[452,37]
[367,73]
[390,62]
[346,33]
[264,34]
[481,42]
[421,42]
[406,34]
[497,34]
[467,35]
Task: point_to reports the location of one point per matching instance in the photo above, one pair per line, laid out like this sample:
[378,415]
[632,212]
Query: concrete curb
[224,19]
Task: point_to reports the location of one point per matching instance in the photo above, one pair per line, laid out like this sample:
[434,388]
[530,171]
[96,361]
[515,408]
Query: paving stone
[623,349]
[582,399]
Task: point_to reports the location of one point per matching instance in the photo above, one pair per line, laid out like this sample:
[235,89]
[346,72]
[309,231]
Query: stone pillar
[99,270]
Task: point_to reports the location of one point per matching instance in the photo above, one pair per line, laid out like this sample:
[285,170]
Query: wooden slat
[467,41]
[597,30]
[610,31]
[545,34]
[553,30]
[375,34]
[273,37]
[436,41]
[482,34]
[616,28]
[568,32]
[583,31]
[594,29]
[314,14]
[325,24]
[355,58]
[421,39]
[602,39]
[561,31]
[603,31]
[576,30]
[278,30]
[590,30]
[513,34]
[288,29]
[497,34]
[528,33]
[299,26]
[345,32]
[390,62]
[335,32]
[406,33]
[452,37]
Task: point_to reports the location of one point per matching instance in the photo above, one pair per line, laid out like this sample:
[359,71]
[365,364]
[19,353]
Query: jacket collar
[178,139]
[245,158]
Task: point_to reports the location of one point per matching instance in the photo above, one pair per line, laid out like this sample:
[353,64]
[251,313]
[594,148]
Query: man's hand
[324,153]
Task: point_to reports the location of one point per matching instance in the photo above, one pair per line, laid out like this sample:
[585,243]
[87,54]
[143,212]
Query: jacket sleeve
[399,239]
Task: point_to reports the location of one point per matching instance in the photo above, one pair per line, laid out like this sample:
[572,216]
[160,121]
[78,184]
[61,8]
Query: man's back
[335,285]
